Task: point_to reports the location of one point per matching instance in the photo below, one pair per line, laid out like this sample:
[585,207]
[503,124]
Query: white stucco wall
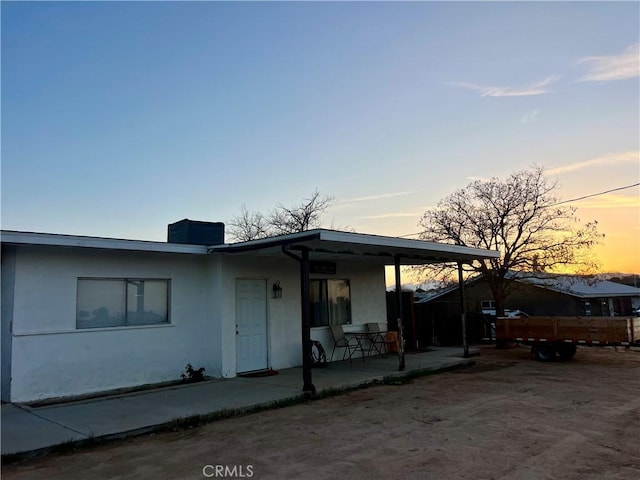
[50,358]
[368,301]
[368,304]
[283,314]
[8,262]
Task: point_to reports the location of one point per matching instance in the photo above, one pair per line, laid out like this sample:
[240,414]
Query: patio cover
[331,244]
[324,244]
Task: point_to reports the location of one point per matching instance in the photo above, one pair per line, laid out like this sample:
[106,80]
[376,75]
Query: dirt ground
[507,417]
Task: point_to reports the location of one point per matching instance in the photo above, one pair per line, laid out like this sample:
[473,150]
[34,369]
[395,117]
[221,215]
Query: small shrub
[192,375]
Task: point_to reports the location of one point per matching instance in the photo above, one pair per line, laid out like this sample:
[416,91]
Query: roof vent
[196,233]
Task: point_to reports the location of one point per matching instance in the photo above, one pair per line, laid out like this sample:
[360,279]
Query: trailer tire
[544,352]
[566,351]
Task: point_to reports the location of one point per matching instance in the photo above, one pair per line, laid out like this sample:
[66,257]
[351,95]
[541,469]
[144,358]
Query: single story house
[88,314]
[437,312]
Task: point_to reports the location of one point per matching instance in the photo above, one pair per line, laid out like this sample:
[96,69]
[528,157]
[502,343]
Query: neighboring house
[567,295]
[86,314]
[438,312]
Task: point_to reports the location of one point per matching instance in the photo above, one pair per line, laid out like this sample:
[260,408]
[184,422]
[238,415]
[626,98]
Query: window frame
[487,304]
[326,310]
[126,322]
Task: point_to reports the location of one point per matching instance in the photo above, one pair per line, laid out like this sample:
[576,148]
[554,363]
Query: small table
[370,338]
[359,336]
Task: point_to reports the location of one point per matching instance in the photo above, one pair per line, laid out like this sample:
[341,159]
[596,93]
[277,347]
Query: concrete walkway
[26,429]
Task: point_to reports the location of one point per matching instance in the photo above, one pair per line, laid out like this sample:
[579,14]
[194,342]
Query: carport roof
[330,244]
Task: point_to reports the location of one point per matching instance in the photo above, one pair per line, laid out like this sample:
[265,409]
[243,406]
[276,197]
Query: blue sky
[119,118]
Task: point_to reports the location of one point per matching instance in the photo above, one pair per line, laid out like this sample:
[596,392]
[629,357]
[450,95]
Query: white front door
[251,325]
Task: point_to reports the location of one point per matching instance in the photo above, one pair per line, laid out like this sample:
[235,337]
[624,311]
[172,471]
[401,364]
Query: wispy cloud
[610,201]
[530,116]
[613,67]
[610,159]
[395,215]
[481,179]
[537,88]
[381,196]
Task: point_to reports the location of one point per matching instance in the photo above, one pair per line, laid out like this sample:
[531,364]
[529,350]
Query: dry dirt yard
[507,417]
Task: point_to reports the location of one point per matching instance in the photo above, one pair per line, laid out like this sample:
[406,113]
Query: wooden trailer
[558,336]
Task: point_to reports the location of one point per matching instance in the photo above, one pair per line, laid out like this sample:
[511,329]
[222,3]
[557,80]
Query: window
[330,302]
[121,302]
[486,304]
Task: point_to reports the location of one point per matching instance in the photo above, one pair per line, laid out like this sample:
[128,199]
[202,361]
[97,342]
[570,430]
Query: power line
[596,194]
[563,202]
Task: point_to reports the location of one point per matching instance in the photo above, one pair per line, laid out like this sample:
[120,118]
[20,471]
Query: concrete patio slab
[31,430]
[24,431]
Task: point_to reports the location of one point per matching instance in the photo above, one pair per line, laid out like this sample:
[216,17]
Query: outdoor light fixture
[277,290]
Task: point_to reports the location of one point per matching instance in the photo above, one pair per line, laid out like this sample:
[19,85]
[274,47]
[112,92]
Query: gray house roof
[426,297]
[578,287]
[584,288]
[11,237]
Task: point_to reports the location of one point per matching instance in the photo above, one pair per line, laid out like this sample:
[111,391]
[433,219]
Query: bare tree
[248,226]
[281,220]
[519,217]
[299,218]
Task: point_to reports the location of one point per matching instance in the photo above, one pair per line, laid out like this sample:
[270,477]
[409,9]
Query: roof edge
[11,237]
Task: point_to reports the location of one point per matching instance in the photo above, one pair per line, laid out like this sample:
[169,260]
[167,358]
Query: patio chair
[350,345]
[377,341]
